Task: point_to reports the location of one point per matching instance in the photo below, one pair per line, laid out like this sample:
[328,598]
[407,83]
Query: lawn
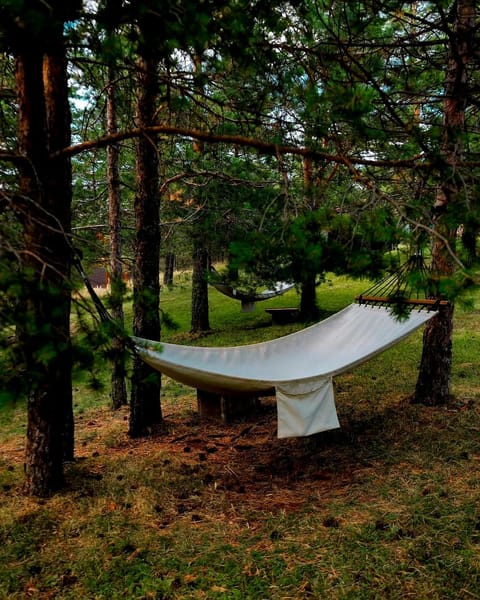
[388,506]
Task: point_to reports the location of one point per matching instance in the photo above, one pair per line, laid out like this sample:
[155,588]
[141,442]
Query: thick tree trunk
[433,384]
[118,390]
[55,76]
[44,127]
[145,408]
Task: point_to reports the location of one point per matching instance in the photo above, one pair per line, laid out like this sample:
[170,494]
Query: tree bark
[433,384]
[169,269]
[308,299]
[433,387]
[145,407]
[200,320]
[308,290]
[45,183]
[55,76]
[118,390]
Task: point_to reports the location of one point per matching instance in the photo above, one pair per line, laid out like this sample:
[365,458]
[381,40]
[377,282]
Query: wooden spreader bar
[431,302]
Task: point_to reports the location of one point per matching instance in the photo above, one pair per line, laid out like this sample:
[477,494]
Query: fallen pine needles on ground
[385,507]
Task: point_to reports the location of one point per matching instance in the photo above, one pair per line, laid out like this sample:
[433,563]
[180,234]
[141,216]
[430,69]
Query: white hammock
[299,367]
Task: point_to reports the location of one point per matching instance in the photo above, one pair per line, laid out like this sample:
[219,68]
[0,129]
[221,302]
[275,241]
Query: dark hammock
[247,298]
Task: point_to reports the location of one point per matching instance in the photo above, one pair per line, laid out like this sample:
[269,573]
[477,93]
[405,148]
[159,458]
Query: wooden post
[226,407]
[209,405]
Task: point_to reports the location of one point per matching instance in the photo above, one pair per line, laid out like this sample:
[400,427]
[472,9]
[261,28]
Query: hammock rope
[411,284]
[103,313]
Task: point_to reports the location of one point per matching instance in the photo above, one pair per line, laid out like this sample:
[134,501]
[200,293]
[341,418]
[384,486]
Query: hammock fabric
[298,367]
[248,299]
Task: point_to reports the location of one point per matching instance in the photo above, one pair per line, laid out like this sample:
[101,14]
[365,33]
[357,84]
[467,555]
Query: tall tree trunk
[308,290]
[169,269]
[118,390]
[470,235]
[433,384]
[200,320]
[309,310]
[44,127]
[145,407]
[55,76]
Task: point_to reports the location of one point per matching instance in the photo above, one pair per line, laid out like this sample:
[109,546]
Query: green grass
[386,507]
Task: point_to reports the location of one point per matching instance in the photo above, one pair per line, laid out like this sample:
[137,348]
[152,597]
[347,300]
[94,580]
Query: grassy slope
[386,507]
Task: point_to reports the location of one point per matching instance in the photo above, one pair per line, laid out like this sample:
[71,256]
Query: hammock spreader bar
[432,303]
[412,284]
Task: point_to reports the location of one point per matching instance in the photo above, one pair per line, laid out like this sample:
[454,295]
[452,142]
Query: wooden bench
[281,316]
